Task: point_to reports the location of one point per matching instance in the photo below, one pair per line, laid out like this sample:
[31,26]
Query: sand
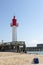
[12,58]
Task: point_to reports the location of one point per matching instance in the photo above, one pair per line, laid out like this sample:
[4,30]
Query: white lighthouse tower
[14,26]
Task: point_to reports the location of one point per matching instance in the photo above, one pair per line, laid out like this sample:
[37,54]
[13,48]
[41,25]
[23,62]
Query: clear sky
[29,14]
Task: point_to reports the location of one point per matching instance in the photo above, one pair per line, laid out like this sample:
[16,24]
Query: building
[40,45]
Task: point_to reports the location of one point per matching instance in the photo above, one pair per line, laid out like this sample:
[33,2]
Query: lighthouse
[14,26]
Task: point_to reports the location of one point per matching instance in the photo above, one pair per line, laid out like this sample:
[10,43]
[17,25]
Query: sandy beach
[12,58]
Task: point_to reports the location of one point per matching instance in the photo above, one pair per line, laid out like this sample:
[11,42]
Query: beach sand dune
[12,58]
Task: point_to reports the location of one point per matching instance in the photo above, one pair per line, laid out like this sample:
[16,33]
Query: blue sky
[29,14]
